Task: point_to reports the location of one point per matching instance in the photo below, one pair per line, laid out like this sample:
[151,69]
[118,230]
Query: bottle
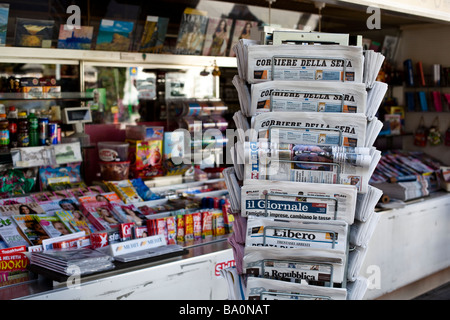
[12,119]
[23,137]
[43,130]
[4,133]
[33,128]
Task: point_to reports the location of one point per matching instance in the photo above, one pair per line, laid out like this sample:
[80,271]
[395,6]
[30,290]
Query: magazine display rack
[268,282]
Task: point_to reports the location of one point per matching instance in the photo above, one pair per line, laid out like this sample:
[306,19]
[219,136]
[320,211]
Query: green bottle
[33,128]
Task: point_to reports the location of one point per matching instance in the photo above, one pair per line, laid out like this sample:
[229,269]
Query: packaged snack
[206,224]
[180,228]
[171,230]
[188,227]
[161,227]
[197,217]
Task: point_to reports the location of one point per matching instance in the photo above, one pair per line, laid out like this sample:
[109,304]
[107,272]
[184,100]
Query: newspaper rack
[305,92]
[282,36]
[344,63]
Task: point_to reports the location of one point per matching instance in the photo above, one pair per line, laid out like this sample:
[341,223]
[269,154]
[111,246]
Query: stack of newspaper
[301,166]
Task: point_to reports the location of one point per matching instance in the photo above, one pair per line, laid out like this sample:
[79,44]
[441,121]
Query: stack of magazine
[80,261]
[301,166]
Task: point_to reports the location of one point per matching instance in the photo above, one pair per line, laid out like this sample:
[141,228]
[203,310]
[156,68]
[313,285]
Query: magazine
[241,30]
[31,228]
[191,35]
[34,33]
[21,209]
[75,38]
[52,225]
[86,260]
[10,234]
[217,36]
[154,34]
[100,215]
[4,13]
[75,221]
[114,35]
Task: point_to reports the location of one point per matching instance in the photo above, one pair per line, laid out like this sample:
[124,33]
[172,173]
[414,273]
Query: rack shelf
[69,56]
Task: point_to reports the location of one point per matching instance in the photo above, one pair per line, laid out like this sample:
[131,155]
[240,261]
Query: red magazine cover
[100,214]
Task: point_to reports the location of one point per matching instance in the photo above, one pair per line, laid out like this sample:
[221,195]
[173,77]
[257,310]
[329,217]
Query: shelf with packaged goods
[69,56]
[41,96]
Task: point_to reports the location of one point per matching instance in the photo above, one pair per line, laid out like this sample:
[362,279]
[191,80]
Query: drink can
[43,130]
[53,133]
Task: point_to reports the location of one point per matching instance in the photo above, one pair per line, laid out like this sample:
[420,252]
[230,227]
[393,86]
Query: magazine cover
[4,13]
[217,37]
[34,33]
[76,38]
[241,31]
[9,233]
[114,35]
[100,215]
[155,30]
[75,221]
[21,209]
[52,225]
[31,229]
[191,35]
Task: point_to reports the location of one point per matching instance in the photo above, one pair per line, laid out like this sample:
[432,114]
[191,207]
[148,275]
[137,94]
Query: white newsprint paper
[295,258]
[296,233]
[269,289]
[304,63]
[298,200]
[311,128]
[298,96]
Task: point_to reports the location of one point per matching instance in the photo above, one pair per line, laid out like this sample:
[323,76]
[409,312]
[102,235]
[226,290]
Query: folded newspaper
[311,128]
[296,234]
[306,96]
[298,200]
[361,232]
[366,202]
[331,262]
[302,63]
[372,65]
[355,261]
[308,163]
[357,289]
[269,289]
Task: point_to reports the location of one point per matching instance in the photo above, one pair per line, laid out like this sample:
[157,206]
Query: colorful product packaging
[206,224]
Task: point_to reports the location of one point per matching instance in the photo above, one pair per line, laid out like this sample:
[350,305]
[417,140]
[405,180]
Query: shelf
[96,57]
[54,96]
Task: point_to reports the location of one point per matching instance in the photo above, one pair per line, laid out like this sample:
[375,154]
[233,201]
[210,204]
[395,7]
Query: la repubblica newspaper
[301,165]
